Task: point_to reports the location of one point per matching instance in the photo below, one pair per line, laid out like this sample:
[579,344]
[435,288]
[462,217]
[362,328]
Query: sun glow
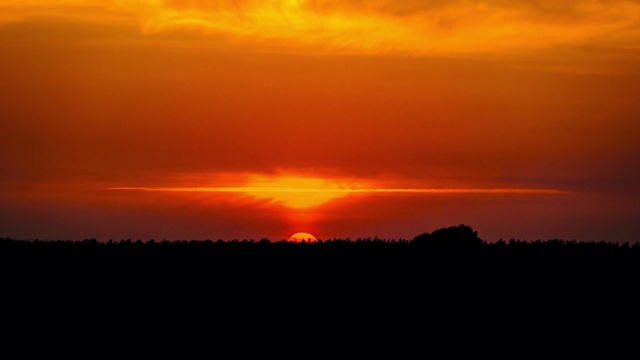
[300,192]
[302,236]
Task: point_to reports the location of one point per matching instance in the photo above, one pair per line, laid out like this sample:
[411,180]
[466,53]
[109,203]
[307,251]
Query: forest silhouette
[444,292]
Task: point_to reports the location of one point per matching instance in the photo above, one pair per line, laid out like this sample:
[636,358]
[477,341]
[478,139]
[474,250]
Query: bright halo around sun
[302,236]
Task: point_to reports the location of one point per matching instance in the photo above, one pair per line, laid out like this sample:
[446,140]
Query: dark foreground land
[446,294]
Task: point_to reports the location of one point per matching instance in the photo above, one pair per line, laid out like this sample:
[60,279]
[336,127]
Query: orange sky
[518,118]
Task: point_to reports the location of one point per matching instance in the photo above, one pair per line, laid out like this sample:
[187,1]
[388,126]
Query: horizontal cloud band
[346,191]
[306,197]
[381,26]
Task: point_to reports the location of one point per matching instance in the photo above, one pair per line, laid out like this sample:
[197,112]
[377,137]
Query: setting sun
[302,236]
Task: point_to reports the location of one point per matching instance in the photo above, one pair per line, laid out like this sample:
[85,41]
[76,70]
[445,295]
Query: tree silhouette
[261,298]
[456,237]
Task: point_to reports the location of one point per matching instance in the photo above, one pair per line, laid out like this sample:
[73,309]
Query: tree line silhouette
[447,290]
[454,237]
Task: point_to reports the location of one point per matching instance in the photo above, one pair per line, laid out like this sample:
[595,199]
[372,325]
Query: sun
[302,236]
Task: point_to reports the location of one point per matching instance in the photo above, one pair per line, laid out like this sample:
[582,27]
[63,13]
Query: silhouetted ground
[443,294]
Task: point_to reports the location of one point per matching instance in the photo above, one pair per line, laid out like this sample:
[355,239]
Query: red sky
[262,118]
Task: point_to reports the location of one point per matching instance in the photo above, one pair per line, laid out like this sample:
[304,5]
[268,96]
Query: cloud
[299,192]
[408,27]
[12,11]
[414,27]
[371,26]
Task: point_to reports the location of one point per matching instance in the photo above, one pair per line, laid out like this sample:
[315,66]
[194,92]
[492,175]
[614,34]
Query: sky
[250,119]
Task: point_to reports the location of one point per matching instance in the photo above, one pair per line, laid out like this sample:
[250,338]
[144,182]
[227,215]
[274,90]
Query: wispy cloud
[258,190]
[414,27]
[82,10]
[372,26]
[305,192]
